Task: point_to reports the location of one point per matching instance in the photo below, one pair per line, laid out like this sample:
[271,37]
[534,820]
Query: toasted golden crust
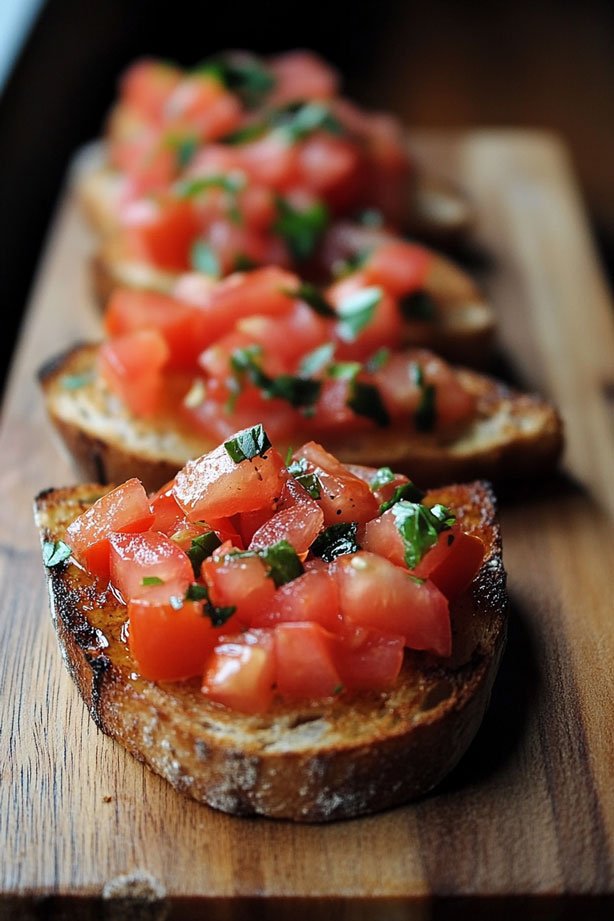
[317,761]
[514,435]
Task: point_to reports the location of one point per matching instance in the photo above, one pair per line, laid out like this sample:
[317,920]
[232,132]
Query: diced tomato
[304,662]
[251,407]
[201,102]
[271,161]
[299,525]
[375,593]
[384,492]
[384,327]
[169,644]
[381,536]
[125,509]
[148,171]
[288,337]
[183,327]
[167,514]
[240,672]
[331,168]
[146,86]
[373,663]
[312,597]
[136,559]
[301,75]
[262,291]
[333,411]
[239,581]
[398,266]
[215,486]
[343,497]
[453,562]
[161,232]
[131,366]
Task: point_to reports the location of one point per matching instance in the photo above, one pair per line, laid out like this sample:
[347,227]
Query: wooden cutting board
[529,812]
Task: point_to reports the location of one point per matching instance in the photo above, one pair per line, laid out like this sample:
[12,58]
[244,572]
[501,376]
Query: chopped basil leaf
[201,548]
[297,467]
[242,73]
[383,475]
[243,263]
[378,359]
[344,370]
[196,592]
[301,230]
[356,312]
[184,148]
[335,541]
[251,132]
[247,444]
[76,381]
[312,295]
[297,122]
[310,482]
[425,415]
[418,306]
[231,183]
[289,454]
[218,615]
[365,400]
[55,552]
[317,360]
[351,264]
[204,259]
[152,580]
[420,526]
[300,392]
[406,491]
[282,561]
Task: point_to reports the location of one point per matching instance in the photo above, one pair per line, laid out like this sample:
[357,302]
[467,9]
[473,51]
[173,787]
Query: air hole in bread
[436,694]
[301,718]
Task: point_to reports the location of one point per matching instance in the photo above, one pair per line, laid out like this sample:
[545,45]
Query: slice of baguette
[440,212]
[514,435]
[310,761]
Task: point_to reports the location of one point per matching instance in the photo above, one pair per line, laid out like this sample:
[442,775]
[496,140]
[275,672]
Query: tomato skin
[124,509]
[385,328]
[398,266]
[202,103]
[169,644]
[384,492]
[377,594]
[381,536]
[168,517]
[373,663]
[344,497]
[183,327]
[304,661]
[313,597]
[135,557]
[301,75]
[453,562]
[214,486]
[299,525]
[131,366]
[146,85]
[241,582]
[240,673]
[332,168]
[161,232]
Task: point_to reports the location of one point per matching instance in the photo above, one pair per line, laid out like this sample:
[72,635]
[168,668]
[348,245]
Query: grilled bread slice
[313,761]
[513,435]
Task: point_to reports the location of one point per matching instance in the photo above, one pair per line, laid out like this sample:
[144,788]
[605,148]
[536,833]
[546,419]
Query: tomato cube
[169,644]
[304,661]
[149,566]
[240,672]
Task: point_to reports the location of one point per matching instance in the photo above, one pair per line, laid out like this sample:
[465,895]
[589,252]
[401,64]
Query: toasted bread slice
[513,435]
[313,761]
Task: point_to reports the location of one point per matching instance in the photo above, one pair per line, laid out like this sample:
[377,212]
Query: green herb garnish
[350,264]
[366,400]
[76,381]
[244,263]
[317,360]
[310,482]
[312,295]
[152,580]
[248,443]
[55,552]
[301,230]
[196,592]
[281,560]
[344,370]
[407,491]
[378,359]
[425,415]
[300,392]
[251,132]
[184,148]
[231,183]
[383,476]
[242,73]
[420,526]
[335,541]
[204,259]
[356,311]
[201,548]
[418,306]
[298,120]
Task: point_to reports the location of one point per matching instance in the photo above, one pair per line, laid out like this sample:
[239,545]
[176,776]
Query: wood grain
[529,812]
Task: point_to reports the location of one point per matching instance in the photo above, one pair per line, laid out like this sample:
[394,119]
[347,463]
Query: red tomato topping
[399,266]
[240,672]
[161,232]
[149,567]
[374,593]
[453,562]
[131,366]
[312,597]
[146,86]
[304,661]
[301,75]
[169,644]
[242,582]
[343,497]
[372,663]
[216,486]
[125,509]
[299,525]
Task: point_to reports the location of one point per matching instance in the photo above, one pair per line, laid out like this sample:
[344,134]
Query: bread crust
[310,762]
[514,435]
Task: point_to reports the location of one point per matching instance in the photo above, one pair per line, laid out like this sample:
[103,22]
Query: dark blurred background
[441,63]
